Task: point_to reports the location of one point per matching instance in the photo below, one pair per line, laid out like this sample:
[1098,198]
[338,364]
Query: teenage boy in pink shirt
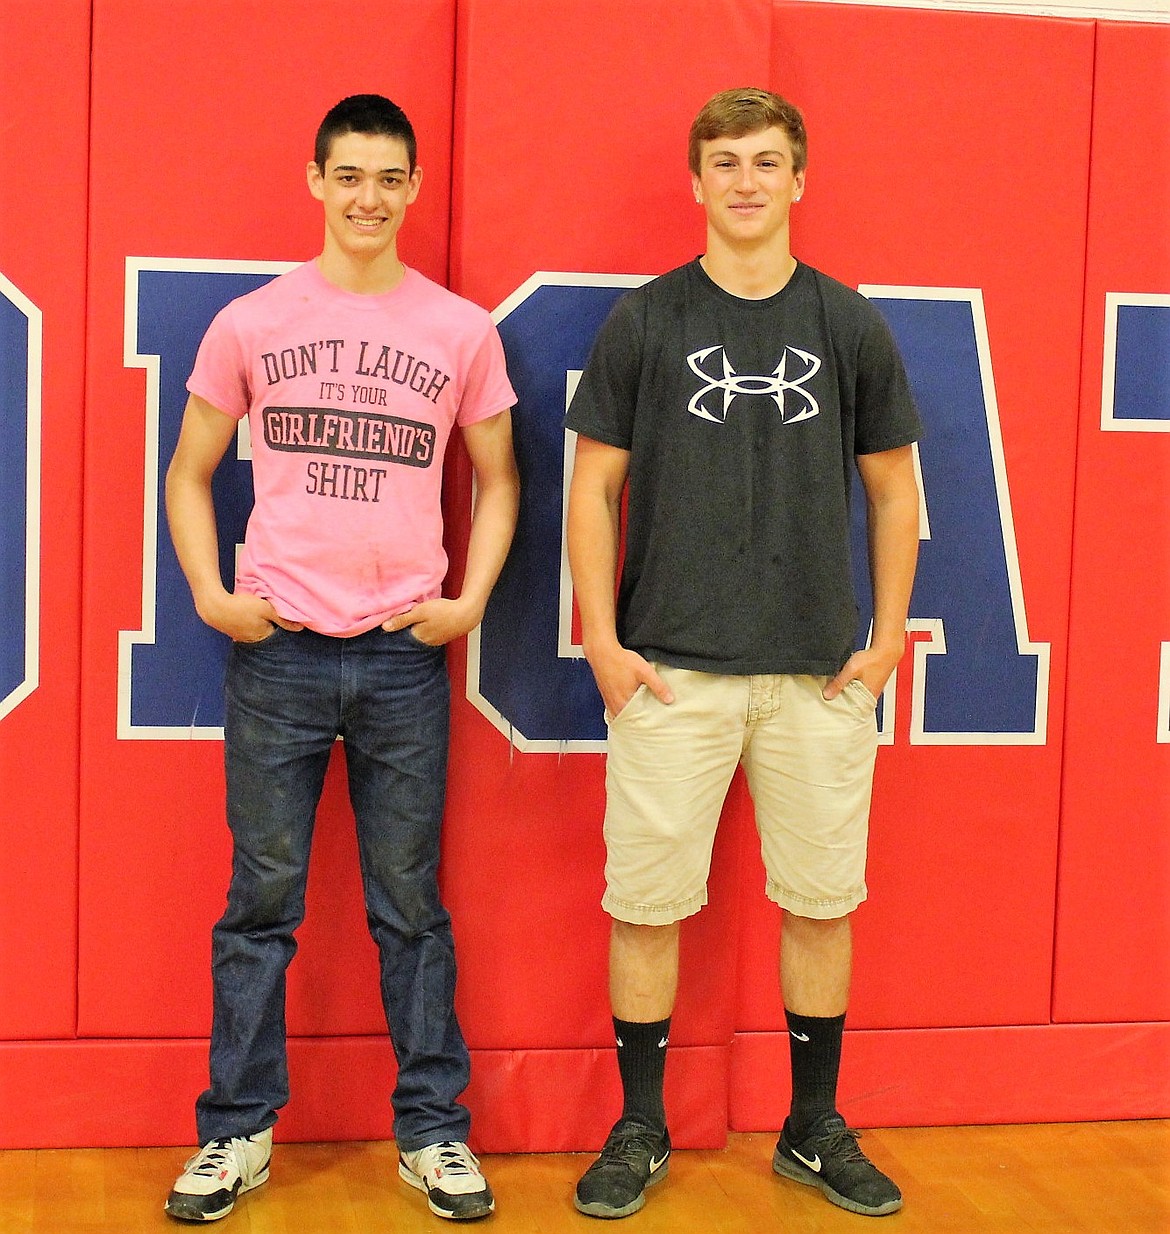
[352,370]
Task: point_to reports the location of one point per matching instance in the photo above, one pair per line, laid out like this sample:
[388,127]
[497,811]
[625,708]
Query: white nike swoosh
[662,1044]
[814,1164]
[800,1036]
[620,1042]
[657,1162]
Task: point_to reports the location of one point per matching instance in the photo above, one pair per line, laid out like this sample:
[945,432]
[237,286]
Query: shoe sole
[607,1213]
[483,1209]
[219,1214]
[801,1174]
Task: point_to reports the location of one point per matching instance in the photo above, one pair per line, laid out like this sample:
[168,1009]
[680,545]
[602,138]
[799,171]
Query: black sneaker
[829,1158]
[634,1157]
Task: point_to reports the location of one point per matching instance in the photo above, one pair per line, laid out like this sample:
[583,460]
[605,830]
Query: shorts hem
[651,914]
[817,909]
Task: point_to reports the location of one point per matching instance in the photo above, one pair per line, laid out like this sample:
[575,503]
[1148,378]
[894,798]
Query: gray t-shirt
[742,418]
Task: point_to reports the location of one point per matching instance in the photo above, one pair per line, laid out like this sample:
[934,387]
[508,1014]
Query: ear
[316,181]
[799,181]
[413,185]
[697,188]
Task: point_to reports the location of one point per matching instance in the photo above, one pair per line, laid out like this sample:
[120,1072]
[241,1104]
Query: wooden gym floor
[1075,1178]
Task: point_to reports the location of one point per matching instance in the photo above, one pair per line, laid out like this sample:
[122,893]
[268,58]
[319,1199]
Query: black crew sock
[641,1055]
[814,1044]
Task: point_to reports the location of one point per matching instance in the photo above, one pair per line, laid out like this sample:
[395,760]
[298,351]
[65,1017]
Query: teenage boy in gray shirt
[733,397]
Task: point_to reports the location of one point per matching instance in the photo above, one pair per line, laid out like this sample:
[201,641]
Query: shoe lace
[841,1145]
[212,1159]
[451,1158]
[631,1146]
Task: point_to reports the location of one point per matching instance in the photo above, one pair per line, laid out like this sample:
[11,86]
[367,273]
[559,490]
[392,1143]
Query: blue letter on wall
[979,679]
[20,447]
[523,672]
[170,673]
[1135,398]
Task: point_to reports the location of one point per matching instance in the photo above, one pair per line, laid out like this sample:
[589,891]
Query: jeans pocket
[255,642]
[272,636]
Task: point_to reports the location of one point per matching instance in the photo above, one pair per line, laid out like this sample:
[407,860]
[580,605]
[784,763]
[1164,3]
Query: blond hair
[736,113]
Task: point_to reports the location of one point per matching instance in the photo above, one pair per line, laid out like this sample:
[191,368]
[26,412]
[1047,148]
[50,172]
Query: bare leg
[643,978]
[815,1147]
[816,965]
[643,971]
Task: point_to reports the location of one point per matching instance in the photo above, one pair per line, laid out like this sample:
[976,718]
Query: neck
[750,273]
[364,278]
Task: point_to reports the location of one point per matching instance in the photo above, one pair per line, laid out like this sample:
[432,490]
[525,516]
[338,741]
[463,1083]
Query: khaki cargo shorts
[809,767]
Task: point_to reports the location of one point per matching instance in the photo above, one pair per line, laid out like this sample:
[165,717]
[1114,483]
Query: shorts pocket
[642,689]
[861,694]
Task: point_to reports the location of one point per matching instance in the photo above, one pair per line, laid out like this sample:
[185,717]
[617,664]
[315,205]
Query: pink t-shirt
[351,400]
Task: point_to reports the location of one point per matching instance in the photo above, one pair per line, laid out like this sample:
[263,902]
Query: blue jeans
[287,700]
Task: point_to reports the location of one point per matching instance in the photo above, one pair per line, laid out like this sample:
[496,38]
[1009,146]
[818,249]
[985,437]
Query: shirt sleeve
[606,398]
[220,375]
[487,390]
[887,416]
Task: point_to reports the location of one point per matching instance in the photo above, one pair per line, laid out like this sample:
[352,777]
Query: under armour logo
[776,385]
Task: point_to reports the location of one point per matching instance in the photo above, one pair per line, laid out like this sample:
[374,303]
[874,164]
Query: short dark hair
[736,113]
[370,114]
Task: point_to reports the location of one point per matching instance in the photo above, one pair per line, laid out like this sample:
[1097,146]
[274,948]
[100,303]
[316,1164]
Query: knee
[643,933]
[405,902]
[266,893]
[794,925]
[645,943]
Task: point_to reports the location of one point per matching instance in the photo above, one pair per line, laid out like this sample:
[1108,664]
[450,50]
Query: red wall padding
[553,138]
[610,197]
[1113,919]
[911,185]
[44,148]
[605,195]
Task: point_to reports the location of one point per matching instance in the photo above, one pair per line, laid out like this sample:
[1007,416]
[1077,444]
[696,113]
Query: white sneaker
[221,1170]
[450,1175]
